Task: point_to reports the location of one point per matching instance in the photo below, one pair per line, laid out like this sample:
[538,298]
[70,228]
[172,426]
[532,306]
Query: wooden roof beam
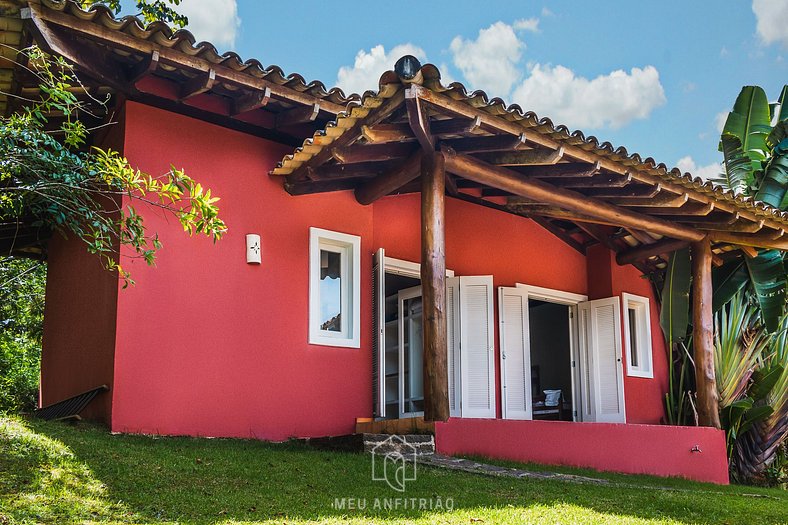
[296,116]
[89,59]
[381,133]
[491,121]
[350,135]
[607,180]
[670,200]
[529,157]
[485,144]
[396,178]
[173,56]
[559,171]
[641,253]
[502,178]
[756,240]
[361,170]
[148,65]
[689,209]
[199,84]
[630,191]
[419,121]
[373,152]
[251,101]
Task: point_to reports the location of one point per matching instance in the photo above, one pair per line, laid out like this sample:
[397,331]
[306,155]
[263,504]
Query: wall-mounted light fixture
[253,249]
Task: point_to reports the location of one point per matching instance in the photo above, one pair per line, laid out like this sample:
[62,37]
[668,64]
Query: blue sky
[654,77]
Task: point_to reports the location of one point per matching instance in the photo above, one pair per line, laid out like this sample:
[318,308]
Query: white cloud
[719,120]
[368,66]
[771,16]
[611,100]
[215,21]
[490,61]
[711,171]
[546,12]
[527,24]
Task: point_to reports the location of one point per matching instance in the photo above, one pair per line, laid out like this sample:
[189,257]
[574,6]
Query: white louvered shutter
[453,344]
[378,334]
[476,347]
[603,376]
[515,353]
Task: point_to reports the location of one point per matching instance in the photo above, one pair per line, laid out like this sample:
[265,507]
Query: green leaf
[750,121]
[727,280]
[783,101]
[775,181]
[738,166]
[767,272]
[763,381]
[674,315]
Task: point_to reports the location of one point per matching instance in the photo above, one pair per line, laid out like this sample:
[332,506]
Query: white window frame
[349,246]
[640,305]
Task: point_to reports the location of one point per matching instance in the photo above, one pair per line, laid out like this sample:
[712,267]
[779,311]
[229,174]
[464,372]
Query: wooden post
[433,286]
[703,335]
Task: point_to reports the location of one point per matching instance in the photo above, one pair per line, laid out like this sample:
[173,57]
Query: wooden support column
[703,335]
[433,287]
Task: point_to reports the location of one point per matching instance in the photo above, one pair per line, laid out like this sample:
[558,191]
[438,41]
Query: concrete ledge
[695,453]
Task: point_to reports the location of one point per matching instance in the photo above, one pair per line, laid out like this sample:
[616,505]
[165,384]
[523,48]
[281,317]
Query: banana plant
[756,164]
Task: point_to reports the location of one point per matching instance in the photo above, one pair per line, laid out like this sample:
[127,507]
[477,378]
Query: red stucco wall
[633,449]
[79,317]
[209,345]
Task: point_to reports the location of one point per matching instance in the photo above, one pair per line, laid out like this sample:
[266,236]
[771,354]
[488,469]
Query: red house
[420,225]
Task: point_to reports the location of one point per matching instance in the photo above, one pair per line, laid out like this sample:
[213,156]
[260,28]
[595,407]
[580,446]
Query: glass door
[411,353]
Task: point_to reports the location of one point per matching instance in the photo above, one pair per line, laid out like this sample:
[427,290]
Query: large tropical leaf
[778,133]
[738,175]
[783,102]
[775,181]
[750,121]
[767,272]
[674,314]
[727,280]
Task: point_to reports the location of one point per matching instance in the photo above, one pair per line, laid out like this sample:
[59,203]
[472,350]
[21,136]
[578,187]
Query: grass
[59,473]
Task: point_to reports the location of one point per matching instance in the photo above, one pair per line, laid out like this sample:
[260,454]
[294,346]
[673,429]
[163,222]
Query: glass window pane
[330,291]
[633,338]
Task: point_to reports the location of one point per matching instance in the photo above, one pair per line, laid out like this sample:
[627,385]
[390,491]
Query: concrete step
[381,444]
[407,444]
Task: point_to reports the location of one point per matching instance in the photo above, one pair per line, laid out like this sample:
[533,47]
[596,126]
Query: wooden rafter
[296,116]
[251,101]
[397,177]
[502,178]
[42,16]
[419,121]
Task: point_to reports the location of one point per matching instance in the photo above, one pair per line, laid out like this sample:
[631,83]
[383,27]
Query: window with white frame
[637,335]
[334,288]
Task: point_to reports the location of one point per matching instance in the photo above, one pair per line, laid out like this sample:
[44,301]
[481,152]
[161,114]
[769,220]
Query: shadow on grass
[57,473]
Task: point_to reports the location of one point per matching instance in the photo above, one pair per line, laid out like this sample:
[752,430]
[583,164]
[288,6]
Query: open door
[602,370]
[515,353]
[378,334]
[453,344]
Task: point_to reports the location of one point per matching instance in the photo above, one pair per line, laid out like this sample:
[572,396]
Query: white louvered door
[602,371]
[378,334]
[476,346]
[515,353]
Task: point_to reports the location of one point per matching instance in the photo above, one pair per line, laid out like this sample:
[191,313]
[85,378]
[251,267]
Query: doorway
[551,360]
[404,355]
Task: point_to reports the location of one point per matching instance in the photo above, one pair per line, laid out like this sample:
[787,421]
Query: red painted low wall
[630,449]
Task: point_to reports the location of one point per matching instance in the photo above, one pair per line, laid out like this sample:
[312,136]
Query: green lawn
[59,473]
